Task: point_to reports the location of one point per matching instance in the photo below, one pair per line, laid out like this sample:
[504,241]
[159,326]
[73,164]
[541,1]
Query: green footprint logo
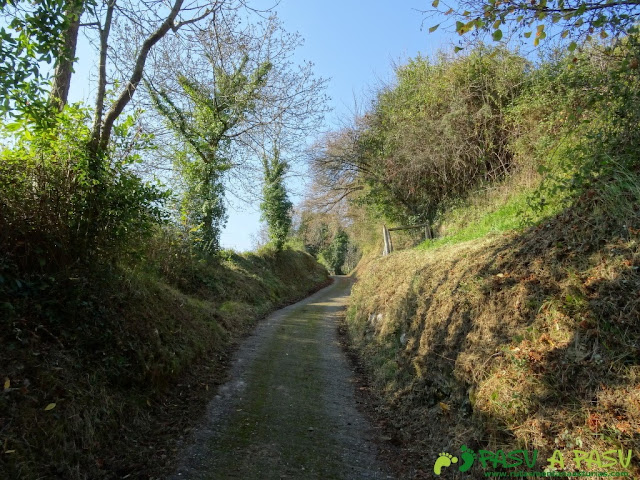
[444,460]
[468,457]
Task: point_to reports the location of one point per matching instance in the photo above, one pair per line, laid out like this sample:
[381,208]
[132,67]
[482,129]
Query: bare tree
[155,19]
[288,107]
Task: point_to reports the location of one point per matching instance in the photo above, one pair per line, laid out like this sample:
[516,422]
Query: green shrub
[56,211]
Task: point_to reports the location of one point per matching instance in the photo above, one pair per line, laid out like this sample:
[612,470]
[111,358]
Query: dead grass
[520,340]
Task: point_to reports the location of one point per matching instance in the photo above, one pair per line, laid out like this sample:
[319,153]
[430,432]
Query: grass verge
[524,340]
[103,371]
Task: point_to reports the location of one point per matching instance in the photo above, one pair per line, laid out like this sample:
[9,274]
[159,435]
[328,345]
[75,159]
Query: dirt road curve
[288,410]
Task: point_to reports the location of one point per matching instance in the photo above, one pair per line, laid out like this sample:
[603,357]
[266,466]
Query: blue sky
[352,43]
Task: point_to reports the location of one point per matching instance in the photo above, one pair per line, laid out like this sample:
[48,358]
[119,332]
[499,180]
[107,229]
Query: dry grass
[521,340]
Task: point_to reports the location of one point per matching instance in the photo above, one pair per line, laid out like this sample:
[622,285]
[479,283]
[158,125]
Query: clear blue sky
[354,44]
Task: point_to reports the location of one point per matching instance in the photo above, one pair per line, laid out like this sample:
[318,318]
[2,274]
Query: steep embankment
[517,341]
[104,371]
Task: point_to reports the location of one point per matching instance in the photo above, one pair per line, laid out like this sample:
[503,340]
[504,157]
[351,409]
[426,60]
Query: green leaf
[435,3]
[565,34]
[457,49]
[572,46]
[527,34]
[497,24]
[51,406]
[603,34]
[497,35]
[12,127]
[459,27]
[434,28]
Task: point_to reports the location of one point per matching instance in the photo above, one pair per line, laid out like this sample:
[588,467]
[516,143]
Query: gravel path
[288,410]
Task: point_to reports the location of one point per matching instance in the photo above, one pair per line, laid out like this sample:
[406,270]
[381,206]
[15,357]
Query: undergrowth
[104,367]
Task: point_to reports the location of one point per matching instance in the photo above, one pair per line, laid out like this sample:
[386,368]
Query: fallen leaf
[7,384]
[10,451]
[445,408]
[51,406]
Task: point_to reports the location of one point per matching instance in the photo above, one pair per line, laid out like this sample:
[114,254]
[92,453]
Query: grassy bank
[104,370]
[521,339]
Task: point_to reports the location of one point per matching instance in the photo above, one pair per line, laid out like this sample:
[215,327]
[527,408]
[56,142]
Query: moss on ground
[279,425]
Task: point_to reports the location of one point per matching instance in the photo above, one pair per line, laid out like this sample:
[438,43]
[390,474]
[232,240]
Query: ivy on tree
[206,130]
[276,206]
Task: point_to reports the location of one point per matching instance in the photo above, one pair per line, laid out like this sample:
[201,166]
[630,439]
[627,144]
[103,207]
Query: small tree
[276,206]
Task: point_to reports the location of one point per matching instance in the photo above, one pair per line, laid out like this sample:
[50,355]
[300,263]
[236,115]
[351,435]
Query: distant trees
[327,234]
[229,96]
[205,128]
[336,253]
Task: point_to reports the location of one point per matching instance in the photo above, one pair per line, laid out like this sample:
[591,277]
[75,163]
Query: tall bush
[53,212]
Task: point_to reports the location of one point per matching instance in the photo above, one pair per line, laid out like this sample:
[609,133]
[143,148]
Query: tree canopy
[575,20]
[31,39]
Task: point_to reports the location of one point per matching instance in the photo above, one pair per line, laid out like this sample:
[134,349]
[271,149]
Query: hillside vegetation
[104,370]
[118,304]
[513,341]
[517,326]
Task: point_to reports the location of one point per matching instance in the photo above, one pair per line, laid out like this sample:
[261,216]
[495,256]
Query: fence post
[385,237]
[428,235]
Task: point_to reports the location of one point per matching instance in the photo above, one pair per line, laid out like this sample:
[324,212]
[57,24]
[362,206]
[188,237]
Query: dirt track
[288,410]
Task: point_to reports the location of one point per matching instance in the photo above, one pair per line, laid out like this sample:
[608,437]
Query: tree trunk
[66,57]
[127,93]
